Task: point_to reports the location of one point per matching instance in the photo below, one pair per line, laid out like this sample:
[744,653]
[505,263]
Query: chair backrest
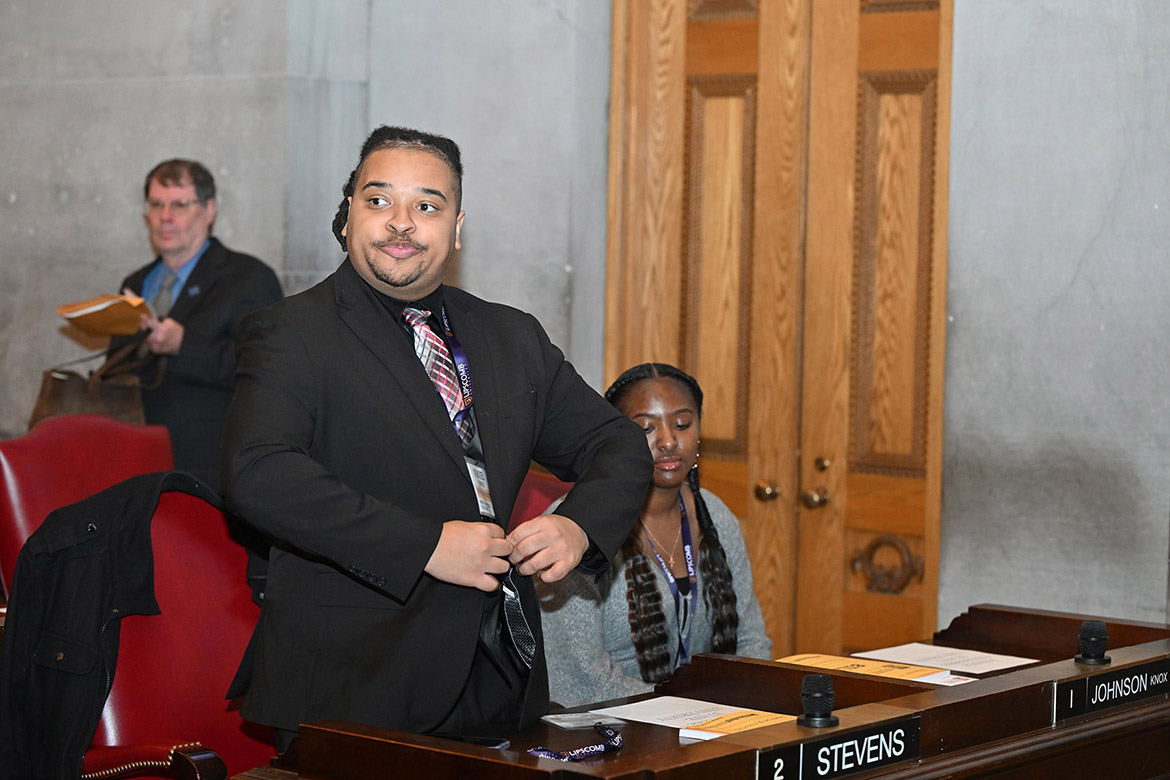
[536,492]
[174,668]
[63,460]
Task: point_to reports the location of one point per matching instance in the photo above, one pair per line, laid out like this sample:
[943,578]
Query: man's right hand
[469,554]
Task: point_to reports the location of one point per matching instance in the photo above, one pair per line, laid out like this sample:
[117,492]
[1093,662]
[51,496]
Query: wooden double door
[777,227]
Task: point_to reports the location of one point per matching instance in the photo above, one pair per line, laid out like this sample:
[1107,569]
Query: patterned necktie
[522,637]
[166,291]
[436,359]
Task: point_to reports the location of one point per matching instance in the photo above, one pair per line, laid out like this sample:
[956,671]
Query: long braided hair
[647,620]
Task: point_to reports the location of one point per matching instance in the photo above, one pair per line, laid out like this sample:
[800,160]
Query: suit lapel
[201,281]
[137,280]
[369,321]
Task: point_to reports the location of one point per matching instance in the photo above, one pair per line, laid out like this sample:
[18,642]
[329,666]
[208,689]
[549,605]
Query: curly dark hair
[647,621]
[388,137]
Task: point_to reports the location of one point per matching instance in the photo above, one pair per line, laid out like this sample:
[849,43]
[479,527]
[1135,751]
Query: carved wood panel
[892,275]
[721,9]
[719,194]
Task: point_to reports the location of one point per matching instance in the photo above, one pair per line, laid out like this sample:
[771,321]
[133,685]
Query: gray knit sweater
[587,632]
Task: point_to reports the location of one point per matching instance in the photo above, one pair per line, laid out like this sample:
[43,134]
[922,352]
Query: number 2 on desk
[778,769]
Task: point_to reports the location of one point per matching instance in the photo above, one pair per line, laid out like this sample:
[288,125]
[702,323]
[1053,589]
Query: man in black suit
[199,291]
[384,602]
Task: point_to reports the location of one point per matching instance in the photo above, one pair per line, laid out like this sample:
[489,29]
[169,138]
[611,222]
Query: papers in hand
[962,661]
[693,718]
[106,315]
[895,670]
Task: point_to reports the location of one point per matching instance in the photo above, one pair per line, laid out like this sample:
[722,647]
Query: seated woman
[659,603]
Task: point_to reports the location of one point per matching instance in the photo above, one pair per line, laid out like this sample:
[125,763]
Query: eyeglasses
[177,207]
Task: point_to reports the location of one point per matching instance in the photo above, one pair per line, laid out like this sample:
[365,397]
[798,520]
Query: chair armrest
[179,762]
[196,762]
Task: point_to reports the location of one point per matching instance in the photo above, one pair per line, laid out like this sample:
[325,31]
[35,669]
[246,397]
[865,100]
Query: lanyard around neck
[462,366]
[684,640]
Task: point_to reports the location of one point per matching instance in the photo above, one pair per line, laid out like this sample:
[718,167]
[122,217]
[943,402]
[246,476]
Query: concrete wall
[275,98]
[523,88]
[92,96]
[1057,472]
[326,119]
[1056,484]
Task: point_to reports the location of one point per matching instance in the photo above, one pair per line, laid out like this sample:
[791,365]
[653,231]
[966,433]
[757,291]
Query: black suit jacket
[338,445]
[197,385]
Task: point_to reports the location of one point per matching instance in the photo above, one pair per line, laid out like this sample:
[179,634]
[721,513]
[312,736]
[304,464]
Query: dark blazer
[197,384]
[338,445]
[85,568]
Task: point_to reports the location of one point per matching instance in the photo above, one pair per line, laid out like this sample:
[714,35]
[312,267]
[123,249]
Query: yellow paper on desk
[732,723]
[897,671]
[106,315]
[695,719]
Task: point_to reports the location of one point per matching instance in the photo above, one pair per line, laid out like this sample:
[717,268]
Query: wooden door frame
[645,247]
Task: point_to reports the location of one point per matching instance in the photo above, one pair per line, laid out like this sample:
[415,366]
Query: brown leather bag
[112,390]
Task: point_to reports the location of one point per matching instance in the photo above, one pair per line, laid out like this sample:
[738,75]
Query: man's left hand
[549,544]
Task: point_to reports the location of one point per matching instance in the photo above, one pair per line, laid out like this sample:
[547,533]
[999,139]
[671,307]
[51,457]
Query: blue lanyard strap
[462,368]
[613,741]
[684,639]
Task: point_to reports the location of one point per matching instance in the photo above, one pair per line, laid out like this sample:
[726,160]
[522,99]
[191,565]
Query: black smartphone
[498,743]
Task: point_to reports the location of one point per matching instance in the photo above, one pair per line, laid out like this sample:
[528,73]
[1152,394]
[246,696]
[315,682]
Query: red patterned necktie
[436,359]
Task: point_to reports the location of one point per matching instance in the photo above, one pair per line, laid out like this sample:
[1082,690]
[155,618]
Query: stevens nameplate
[843,754]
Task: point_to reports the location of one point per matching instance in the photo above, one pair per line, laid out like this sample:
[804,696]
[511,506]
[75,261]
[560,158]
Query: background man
[199,290]
[380,431]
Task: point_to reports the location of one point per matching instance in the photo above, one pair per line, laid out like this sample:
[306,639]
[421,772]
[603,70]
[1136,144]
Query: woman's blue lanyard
[684,640]
[462,367]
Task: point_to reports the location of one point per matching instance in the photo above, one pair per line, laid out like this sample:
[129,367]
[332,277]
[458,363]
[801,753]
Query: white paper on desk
[672,711]
[681,713]
[954,659]
[580,720]
[944,678]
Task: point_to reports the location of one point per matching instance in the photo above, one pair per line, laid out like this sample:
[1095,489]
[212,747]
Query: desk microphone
[816,699]
[1094,639]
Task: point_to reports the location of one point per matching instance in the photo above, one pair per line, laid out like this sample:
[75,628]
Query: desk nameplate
[1110,689]
[843,754]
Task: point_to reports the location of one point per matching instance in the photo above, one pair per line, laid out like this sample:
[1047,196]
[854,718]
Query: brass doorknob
[815,498]
[766,492]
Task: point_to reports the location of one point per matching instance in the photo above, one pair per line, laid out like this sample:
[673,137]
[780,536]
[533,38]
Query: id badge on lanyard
[475,468]
[479,480]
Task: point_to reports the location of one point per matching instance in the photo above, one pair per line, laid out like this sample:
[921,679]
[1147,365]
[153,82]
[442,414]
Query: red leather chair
[63,460]
[157,540]
[174,668]
[538,490]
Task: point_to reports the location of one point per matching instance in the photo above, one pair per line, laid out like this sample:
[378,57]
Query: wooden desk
[1034,723]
